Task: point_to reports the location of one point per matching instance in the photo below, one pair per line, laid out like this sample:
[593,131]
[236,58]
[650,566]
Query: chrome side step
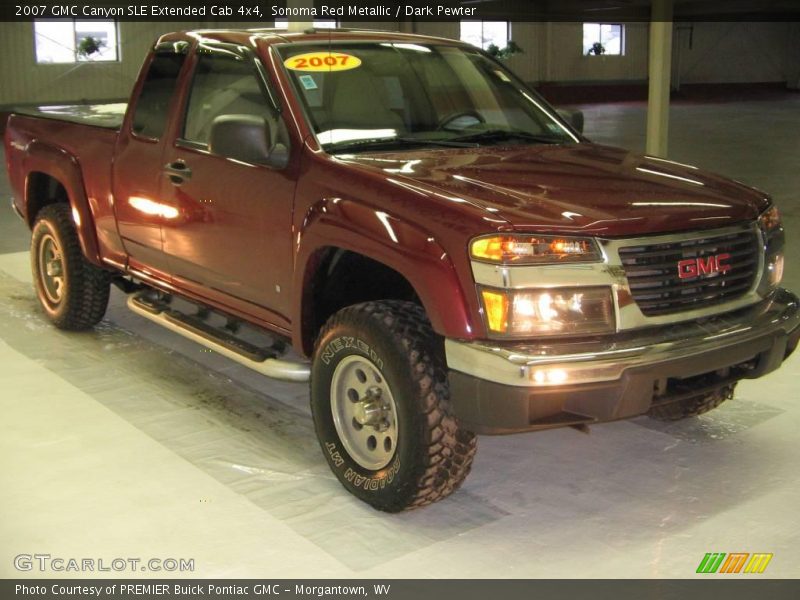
[265,360]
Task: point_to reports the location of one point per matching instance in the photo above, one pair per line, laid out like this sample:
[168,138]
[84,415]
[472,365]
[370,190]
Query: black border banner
[745,587]
[353,11]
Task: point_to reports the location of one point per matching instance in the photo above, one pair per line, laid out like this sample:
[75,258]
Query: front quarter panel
[349,224]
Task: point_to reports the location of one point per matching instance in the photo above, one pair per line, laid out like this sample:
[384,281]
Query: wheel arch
[411,264]
[53,175]
[337,277]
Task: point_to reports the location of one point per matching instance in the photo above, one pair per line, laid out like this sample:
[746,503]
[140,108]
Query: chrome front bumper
[501,388]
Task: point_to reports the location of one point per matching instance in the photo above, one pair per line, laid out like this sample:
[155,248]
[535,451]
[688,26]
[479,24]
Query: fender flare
[63,167]
[402,246]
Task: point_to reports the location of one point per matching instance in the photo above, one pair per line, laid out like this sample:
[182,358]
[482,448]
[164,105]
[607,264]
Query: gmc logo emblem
[694,267]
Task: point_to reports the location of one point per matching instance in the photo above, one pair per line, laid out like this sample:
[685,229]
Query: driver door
[231,239]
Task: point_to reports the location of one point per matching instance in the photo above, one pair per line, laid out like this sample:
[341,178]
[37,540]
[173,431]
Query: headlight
[557,311]
[533,249]
[772,230]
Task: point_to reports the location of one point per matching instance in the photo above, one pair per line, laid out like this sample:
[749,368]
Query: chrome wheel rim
[51,269]
[364,412]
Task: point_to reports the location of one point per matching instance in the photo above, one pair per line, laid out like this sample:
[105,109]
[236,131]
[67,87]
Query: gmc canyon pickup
[402,222]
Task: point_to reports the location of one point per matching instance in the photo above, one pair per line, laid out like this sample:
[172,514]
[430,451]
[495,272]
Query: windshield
[390,94]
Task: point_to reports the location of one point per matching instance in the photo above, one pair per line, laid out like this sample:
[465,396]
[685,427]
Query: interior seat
[360,102]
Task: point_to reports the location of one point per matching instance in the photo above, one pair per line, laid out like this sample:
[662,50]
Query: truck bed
[106,115]
[81,136]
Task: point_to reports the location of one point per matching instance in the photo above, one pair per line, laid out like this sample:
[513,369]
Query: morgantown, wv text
[201,590]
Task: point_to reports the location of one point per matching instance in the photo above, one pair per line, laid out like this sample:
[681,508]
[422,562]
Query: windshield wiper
[496,135]
[395,142]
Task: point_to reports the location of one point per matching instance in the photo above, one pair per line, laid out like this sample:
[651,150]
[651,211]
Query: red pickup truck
[405,224]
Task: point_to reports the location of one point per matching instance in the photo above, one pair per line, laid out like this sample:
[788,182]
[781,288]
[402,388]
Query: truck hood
[583,188]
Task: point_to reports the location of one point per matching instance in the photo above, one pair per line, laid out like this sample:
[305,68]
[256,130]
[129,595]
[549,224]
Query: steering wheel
[448,119]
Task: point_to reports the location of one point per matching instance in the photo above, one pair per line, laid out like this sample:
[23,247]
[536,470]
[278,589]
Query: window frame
[177,48]
[260,73]
[622,37]
[482,21]
[76,61]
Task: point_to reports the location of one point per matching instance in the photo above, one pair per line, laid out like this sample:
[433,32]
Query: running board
[263,360]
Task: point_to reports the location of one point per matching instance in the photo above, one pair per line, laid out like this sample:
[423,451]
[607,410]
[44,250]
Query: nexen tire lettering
[340,343]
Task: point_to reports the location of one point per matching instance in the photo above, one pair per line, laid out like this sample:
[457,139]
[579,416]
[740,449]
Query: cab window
[225,84]
[152,106]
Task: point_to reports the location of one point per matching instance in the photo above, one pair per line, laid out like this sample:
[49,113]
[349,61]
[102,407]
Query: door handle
[177,172]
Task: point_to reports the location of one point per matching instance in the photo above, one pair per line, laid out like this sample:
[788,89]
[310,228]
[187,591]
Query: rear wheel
[691,407]
[381,406]
[73,292]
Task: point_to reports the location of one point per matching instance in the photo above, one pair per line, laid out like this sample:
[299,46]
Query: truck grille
[653,273]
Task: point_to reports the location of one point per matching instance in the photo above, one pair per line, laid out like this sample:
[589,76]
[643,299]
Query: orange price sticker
[322,61]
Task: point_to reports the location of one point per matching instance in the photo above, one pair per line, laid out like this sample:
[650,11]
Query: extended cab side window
[227,85]
[150,116]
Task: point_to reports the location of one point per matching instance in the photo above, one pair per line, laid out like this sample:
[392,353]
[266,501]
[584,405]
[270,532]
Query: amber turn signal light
[522,249]
[496,306]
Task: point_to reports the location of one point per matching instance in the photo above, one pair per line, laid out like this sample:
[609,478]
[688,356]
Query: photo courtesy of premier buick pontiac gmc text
[401,222]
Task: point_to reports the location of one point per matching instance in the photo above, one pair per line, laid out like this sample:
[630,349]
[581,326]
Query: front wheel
[381,407]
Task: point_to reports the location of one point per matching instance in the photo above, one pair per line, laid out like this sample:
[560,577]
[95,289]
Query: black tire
[431,454]
[80,300]
[691,407]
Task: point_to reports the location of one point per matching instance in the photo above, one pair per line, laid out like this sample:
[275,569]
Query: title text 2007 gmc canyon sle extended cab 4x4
[450,254]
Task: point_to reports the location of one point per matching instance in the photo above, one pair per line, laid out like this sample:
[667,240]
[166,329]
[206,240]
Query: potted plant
[597,49]
[89,46]
[505,53]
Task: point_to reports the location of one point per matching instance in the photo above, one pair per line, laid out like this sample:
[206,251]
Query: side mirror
[573,117]
[241,137]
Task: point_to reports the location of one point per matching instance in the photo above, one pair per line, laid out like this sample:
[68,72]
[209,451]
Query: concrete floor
[129,441]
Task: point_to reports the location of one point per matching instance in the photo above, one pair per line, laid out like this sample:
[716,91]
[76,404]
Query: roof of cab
[269,36]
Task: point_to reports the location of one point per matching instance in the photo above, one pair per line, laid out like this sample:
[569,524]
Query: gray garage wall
[794,56]
[735,52]
[716,53]
[26,82]
[719,53]
[559,54]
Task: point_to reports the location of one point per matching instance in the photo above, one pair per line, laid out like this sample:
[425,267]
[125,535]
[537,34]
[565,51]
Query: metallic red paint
[248,239]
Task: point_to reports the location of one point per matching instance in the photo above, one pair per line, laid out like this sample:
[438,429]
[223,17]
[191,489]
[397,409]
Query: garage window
[483,34]
[283,23]
[63,42]
[603,39]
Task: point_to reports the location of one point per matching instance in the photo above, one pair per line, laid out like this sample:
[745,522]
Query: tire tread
[88,287]
[448,454]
